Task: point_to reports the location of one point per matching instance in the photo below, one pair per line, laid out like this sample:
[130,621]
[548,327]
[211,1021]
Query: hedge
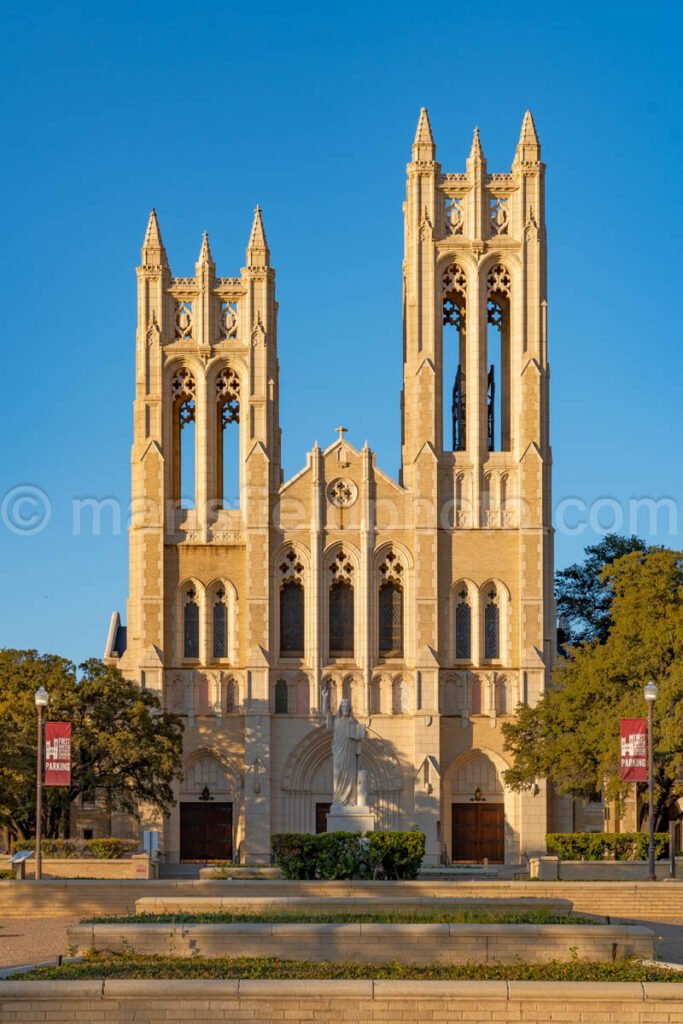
[341,855]
[605,845]
[145,966]
[63,849]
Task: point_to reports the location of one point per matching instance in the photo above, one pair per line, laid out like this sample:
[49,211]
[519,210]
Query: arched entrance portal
[307,783]
[207,795]
[477,810]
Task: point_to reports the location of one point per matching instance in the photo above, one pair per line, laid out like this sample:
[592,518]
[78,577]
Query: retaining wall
[382,1002]
[91,867]
[551,868]
[373,943]
[648,900]
[380,904]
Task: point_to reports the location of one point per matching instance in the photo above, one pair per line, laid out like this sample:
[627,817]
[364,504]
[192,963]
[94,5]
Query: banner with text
[633,750]
[57,753]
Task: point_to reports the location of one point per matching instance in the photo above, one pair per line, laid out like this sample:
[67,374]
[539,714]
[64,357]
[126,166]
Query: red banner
[633,750]
[57,753]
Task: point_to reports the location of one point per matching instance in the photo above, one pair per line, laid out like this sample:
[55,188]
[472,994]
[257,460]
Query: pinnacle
[529,133]
[205,258]
[257,241]
[476,153]
[152,234]
[424,147]
[424,135]
[153,251]
[528,147]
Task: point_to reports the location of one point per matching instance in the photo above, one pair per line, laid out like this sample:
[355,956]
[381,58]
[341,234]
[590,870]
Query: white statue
[347,734]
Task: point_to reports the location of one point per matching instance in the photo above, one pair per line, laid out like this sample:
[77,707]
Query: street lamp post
[41,699]
[650,694]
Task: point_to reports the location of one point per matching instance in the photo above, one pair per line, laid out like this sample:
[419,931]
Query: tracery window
[391,620]
[292,606]
[492,625]
[183,394]
[292,619]
[498,285]
[281,697]
[191,625]
[227,438]
[341,607]
[391,606]
[454,283]
[463,627]
[220,625]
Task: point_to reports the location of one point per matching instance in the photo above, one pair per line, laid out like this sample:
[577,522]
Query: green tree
[124,746]
[572,735]
[584,594]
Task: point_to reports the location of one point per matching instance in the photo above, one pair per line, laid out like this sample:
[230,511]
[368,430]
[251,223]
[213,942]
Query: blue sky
[309,109]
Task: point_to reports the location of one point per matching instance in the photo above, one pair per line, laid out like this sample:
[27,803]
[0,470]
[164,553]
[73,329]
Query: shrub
[62,849]
[396,855]
[336,855]
[295,854]
[111,849]
[605,845]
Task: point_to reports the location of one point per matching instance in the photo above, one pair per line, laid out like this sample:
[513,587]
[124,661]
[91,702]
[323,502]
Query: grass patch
[294,917]
[129,965]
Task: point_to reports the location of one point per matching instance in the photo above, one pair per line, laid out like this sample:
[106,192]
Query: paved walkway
[31,940]
[34,939]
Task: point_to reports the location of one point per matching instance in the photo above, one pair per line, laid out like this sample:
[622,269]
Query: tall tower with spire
[475,409]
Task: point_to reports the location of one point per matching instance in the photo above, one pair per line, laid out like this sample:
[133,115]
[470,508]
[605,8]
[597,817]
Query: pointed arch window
[191,625]
[281,697]
[390,617]
[391,620]
[492,626]
[220,625]
[292,619]
[341,619]
[227,438]
[463,627]
[341,608]
[183,394]
[454,362]
[498,284]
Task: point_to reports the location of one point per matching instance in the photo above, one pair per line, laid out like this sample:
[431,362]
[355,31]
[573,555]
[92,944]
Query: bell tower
[475,446]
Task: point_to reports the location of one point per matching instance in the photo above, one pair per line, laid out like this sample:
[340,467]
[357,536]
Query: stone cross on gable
[341,431]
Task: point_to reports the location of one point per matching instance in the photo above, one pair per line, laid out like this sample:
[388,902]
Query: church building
[427,601]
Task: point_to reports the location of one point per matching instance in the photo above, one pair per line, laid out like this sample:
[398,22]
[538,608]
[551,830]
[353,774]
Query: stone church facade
[427,601]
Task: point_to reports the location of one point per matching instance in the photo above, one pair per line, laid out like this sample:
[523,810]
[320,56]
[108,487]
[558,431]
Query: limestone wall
[385,1002]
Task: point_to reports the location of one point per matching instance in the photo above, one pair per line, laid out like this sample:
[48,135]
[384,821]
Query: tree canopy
[572,735]
[124,746]
[584,595]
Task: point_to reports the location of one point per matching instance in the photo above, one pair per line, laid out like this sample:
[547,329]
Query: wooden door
[205,831]
[477,833]
[321,812]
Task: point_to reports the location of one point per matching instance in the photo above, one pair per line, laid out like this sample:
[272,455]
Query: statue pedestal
[350,819]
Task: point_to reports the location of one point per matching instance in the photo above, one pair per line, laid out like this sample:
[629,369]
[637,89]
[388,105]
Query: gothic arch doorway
[478,812]
[307,782]
[207,794]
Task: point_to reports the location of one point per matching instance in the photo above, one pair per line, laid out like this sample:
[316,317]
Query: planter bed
[376,943]
[384,902]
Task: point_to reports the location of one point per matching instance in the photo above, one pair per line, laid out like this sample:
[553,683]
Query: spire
[528,148]
[205,259]
[153,252]
[424,147]
[476,153]
[258,254]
